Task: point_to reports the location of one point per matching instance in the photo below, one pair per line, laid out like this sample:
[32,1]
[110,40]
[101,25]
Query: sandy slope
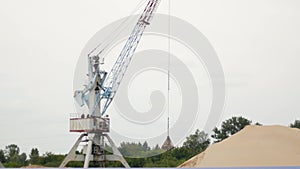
[253,146]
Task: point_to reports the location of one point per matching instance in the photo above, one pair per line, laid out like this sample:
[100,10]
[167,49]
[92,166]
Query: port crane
[98,94]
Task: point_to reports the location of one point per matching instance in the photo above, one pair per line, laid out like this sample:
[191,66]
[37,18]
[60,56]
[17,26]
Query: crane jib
[131,43]
[106,84]
[119,68]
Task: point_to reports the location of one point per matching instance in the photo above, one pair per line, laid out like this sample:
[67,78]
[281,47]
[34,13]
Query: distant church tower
[168,145]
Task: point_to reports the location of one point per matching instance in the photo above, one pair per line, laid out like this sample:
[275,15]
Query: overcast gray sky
[257,42]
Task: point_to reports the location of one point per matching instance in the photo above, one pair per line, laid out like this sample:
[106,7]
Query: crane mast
[102,87]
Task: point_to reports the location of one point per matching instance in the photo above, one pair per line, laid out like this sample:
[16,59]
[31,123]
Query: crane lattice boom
[103,86]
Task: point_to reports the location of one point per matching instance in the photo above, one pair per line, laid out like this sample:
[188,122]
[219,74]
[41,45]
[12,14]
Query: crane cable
[117,31]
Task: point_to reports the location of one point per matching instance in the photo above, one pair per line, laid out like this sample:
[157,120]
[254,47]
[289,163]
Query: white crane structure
[98,94]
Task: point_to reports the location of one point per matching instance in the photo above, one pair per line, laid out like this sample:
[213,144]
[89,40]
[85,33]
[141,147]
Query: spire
[167,145]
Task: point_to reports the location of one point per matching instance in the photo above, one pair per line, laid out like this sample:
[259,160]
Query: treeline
[150,157]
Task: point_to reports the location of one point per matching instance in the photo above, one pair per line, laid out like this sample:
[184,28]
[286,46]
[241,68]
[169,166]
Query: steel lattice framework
[102,87]
[106,85]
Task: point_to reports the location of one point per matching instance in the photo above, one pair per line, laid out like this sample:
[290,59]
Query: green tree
[132,149]
[34,156]
[2,156]
[296,124]
[258,124]
[22,159]
[51,160]
[14,159]
[230,127]
[145,146]
[181,153]
[156,147]
[196,143]
[12,152]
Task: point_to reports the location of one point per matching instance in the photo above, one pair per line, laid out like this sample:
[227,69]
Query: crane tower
[97,96]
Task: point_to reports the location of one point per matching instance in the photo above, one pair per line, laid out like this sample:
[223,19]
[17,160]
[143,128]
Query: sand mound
[252,146]
[33,166]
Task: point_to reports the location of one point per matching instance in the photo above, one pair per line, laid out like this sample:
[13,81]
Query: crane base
[1,166]
[94,151]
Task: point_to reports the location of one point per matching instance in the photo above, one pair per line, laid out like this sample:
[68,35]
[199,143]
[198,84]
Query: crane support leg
[116,153]
[1,166]
[94,139]
[72,154]
[88,154]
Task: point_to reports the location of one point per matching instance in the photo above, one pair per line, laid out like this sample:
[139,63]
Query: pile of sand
[252,146]
[33,166]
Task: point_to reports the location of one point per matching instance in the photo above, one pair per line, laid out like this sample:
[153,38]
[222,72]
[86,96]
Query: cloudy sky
[257,42]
